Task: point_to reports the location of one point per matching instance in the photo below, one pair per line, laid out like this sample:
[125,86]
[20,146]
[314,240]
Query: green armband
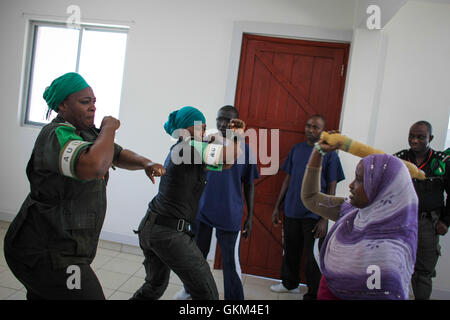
[211,154]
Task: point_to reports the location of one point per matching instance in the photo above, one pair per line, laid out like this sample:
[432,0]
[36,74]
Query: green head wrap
[62,87]
[183,118]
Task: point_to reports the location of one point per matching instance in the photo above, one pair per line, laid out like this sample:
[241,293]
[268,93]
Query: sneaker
[182,295]
[280,288]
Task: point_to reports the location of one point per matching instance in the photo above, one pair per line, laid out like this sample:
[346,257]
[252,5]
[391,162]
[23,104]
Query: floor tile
[290,296]
[263,282]
[108,292]
[6,292]
[2,258]
[137,251]
[18,295]
[120,271]
[119,295]
[130,256]
[257,292]
[2,234]
[122,265]
[140,273]
[107,252]
[4,225]
[111,280]
[8,280]
[100,260]
[174,279]
[170,292]
[131,285]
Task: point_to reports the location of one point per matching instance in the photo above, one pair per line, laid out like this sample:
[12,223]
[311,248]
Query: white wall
[181,53]
[360,107]
[416,87]
[178,54]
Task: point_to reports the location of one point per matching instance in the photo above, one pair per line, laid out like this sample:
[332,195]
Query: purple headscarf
[370,253]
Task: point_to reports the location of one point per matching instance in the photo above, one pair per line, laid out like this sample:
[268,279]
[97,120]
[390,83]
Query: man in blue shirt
[221,207]
[300,226]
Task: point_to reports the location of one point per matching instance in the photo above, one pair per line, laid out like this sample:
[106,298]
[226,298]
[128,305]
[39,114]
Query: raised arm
[94,162]
[327,206]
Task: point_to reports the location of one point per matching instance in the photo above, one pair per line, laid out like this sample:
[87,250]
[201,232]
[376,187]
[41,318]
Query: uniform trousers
[167,249]
[43,282]
[428,252]
[229,243]
[298,235]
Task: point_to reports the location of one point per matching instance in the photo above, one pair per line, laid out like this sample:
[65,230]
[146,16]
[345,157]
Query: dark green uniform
[59,222]
[165,232]
[432,208]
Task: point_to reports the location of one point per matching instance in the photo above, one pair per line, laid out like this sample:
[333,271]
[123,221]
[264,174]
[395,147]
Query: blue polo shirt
[222,205]
[295,166]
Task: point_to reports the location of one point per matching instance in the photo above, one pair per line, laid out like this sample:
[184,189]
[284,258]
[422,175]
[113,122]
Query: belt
[179,225]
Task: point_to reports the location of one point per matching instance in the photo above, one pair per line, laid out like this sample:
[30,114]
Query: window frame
[30,54]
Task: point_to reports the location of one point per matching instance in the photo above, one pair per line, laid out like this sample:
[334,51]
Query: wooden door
[281,83]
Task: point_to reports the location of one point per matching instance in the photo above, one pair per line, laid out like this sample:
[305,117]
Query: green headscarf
[183,118]
[62,87]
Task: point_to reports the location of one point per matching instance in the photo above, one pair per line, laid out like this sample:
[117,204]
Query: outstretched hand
[154,170]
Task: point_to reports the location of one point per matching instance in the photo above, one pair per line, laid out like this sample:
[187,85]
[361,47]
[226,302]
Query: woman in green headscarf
[165,232]
[53,239]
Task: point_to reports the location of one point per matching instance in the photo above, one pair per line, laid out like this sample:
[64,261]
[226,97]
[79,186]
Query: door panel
[281,83]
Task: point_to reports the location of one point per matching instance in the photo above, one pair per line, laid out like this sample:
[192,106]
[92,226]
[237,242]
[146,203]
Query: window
[95,52]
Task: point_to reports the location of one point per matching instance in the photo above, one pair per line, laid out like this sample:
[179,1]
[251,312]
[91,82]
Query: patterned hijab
[370,253]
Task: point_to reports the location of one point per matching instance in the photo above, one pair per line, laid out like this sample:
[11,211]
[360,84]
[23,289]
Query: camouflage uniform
[60,220]
[432,208]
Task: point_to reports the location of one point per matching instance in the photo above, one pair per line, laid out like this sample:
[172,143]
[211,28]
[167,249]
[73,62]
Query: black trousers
[297,234]
[77,282]
[428,252]
[166,249]
[229,243]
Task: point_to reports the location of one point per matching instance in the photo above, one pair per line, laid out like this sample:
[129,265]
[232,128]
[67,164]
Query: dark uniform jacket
[431,190]
[62,216]
[181,186]
[183,183]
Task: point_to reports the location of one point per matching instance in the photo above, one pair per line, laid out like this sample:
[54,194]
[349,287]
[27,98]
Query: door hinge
[342,70]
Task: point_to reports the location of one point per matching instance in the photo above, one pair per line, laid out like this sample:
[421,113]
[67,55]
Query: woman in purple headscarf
[370,251]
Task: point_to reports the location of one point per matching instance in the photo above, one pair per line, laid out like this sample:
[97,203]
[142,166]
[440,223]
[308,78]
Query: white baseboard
[120,238]
[439,294]
[8,217]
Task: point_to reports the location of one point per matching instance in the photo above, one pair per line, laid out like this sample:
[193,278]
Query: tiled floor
[120,271]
